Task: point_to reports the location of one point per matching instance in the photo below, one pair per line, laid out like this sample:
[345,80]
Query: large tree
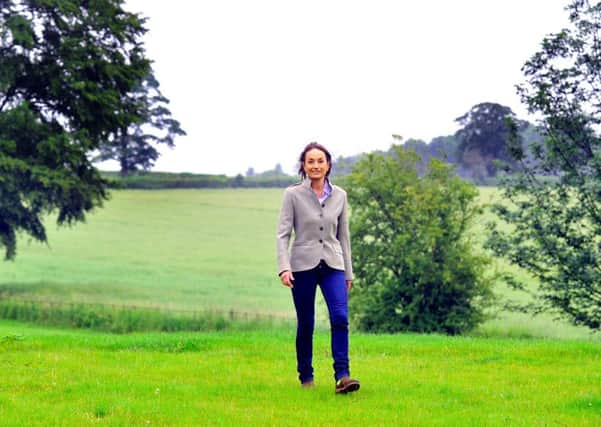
[483,139]
[68,71]
[134,146]
[416,268]
[553,203]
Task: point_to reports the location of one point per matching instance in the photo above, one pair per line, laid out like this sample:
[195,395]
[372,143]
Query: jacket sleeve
[284,231]
[344,237]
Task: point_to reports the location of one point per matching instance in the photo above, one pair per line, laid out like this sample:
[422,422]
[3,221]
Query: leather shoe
[347,385]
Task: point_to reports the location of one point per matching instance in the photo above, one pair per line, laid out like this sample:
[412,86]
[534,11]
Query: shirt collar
[327,188]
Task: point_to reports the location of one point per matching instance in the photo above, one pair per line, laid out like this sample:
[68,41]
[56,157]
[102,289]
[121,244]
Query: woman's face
[316,164]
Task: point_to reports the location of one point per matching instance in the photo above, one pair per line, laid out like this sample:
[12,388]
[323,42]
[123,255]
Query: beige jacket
[320,230]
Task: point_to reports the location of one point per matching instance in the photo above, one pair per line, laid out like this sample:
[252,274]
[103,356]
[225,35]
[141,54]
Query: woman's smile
[316,165]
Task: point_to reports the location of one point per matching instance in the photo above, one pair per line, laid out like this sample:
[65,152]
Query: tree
[238,181]
[445,148]
[483,139]
[134,146]
[553,203]
[68,70]
[416,269]
[421,148]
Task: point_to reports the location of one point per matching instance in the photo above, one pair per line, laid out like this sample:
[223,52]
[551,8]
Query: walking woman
[316,211]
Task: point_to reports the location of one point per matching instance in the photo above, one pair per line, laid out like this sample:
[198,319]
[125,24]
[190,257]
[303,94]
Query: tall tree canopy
[554,204]
[134,147]
[68,74]
[483,138]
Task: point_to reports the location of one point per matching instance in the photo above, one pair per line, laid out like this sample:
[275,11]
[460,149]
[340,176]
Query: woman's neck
[318,185]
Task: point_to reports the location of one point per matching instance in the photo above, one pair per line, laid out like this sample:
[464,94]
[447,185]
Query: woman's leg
[303,293]
[333,287]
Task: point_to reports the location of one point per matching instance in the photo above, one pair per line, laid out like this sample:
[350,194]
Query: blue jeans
[333,288]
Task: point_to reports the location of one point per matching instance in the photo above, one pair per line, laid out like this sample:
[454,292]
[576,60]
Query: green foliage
[553,204]
[67,72]
[483,139]
[41,170]
[166,180]
[415,265]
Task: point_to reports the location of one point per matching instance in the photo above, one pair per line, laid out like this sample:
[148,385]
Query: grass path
[72,378]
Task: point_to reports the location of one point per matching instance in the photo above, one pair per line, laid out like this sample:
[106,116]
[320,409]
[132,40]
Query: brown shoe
[308,384]
[347,385]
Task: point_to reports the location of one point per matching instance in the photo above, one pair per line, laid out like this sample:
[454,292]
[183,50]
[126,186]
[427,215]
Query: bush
[416,267]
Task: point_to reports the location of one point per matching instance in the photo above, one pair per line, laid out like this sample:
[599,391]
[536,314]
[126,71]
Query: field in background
[177,249]
[189,250]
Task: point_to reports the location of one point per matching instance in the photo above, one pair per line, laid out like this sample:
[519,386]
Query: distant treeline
[478,150]
[166,180]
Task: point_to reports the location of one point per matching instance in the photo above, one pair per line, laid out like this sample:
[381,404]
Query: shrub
[416,267]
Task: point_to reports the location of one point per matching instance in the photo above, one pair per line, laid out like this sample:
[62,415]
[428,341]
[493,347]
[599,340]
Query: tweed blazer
[321,230]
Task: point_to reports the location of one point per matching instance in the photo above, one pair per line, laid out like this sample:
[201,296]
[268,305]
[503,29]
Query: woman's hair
[309,147]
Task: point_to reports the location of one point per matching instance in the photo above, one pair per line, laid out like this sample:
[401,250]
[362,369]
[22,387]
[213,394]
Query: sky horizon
[253,82]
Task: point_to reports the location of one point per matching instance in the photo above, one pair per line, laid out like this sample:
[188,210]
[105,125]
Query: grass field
[214,249]
[190,250]
[181,249]
[73,378]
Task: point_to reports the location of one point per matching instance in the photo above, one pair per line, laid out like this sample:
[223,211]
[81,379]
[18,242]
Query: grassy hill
[191,250]
[178,249]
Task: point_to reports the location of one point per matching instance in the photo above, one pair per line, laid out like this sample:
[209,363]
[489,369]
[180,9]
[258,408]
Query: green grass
[126,319]
[181,249]
[72,378]
[193,250]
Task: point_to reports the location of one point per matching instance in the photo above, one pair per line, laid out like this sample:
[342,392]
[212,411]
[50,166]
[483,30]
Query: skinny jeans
[333,287]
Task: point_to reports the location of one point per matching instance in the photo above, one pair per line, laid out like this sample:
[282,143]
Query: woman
[321,254]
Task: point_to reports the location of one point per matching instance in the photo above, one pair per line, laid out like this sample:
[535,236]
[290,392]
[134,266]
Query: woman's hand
[287,279]
[349,285]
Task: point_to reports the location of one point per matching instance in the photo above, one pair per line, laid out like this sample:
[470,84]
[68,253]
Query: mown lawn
[72,378]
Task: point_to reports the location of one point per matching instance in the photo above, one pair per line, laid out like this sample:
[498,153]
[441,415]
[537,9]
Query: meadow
[175,249]
[187,250]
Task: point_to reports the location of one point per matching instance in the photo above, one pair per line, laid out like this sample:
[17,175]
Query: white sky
[253,81]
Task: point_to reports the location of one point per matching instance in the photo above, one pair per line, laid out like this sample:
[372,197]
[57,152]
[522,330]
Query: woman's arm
[344,237]
[284,231]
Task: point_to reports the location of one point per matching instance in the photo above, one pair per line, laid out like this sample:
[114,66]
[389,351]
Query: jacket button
[321,228]
[320,241]
[323,205]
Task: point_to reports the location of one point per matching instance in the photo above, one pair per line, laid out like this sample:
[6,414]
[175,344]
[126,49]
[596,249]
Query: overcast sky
[253,81]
